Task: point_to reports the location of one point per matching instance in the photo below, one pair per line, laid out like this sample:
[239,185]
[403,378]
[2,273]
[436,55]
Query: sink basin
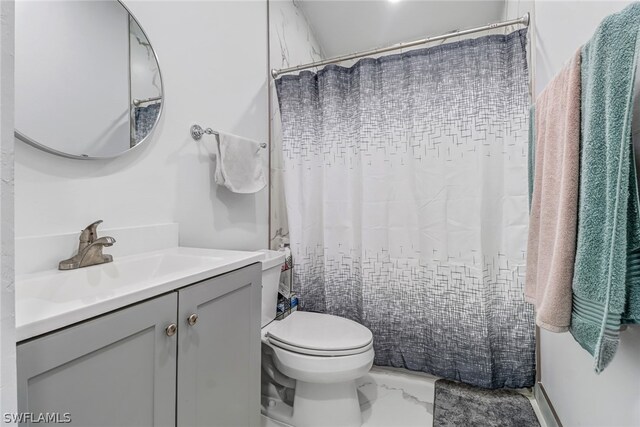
[89,284]
[53,299]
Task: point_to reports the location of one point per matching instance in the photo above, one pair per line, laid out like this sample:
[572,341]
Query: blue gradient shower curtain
[406,192]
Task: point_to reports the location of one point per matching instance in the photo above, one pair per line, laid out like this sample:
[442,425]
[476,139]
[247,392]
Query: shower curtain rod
[524,20]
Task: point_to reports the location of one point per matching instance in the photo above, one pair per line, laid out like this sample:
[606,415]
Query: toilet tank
[271,267]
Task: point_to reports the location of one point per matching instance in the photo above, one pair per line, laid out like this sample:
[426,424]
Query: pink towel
[553,222]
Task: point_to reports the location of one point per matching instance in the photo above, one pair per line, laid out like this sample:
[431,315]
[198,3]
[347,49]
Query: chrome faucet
[89,249]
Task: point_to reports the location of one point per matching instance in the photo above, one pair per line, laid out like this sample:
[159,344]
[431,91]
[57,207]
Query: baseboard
[546,408]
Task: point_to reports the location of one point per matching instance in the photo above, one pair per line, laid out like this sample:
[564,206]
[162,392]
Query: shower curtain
[406,193]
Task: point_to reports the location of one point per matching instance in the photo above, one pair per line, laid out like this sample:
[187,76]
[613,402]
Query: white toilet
[310,361]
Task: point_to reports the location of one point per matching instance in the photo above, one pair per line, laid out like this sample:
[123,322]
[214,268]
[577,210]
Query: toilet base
[317,405]
[333,404]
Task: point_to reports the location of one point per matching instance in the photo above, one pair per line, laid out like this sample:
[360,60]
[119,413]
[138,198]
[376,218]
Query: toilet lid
[320,334]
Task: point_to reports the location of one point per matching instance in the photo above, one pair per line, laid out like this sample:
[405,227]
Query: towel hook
[197,131]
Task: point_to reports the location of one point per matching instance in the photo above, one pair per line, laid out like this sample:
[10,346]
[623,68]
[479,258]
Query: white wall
[580,397]
[213,58]
[346,26]
[8,391]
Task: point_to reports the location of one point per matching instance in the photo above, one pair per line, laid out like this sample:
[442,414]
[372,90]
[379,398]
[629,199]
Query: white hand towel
[239,164]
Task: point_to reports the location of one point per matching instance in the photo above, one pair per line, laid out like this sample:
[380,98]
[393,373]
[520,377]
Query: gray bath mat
[461,405]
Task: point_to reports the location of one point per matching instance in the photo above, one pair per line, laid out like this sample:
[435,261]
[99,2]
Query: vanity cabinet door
[219,352]
[115,370]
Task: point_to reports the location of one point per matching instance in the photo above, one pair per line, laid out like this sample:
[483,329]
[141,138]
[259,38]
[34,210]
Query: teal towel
[607,264]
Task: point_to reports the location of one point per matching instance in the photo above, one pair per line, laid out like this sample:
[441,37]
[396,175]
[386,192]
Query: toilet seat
[312,352]
[317,334]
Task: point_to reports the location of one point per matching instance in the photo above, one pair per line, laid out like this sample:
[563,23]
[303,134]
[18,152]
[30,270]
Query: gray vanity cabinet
[219,351]
[187,358]
[115,370]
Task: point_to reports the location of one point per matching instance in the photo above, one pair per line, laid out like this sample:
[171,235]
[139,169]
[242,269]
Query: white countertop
[53,299]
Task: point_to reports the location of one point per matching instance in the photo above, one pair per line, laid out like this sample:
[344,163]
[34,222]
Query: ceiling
[348,26]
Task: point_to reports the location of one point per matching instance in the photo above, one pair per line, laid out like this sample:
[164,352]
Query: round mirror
[87,81]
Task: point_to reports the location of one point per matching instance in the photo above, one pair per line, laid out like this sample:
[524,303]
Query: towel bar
[197,131]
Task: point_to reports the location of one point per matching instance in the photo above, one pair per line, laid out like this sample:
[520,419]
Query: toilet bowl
[317,355]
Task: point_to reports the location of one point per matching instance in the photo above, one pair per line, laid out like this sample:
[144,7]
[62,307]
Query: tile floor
[393,397]
[397,398]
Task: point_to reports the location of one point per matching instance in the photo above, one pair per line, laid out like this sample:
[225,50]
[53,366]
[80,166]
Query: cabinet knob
[192,319]
[171,329]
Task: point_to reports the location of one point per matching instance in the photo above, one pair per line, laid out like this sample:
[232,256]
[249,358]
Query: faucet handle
[90,233]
